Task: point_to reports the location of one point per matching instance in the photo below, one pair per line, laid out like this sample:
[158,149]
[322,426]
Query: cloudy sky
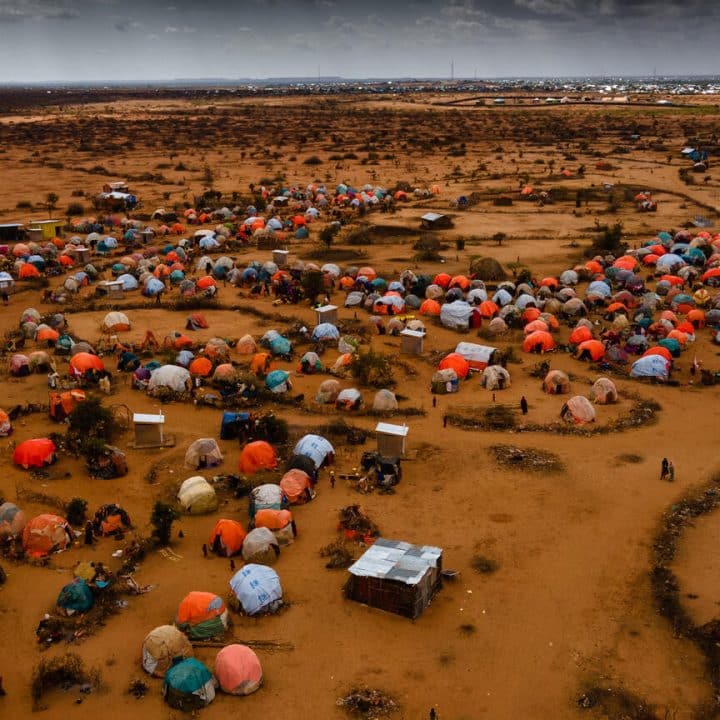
[118,40]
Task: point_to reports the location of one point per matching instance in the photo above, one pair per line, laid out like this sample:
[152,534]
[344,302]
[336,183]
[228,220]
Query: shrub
[60,671]
[273,429]
[162,518]
[76,511]
[24,205]
[90,421]
[75,208]
[371,368]
[487,269]
[499,417]
[312,160]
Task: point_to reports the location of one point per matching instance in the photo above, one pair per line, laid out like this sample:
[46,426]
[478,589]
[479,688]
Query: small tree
[313,283]
[51,202]
[76,511]
[162,518]
[90,421]
[499,237]
[326,237]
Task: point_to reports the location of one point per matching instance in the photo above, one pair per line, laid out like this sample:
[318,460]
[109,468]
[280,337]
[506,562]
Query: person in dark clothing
[89,536]
[204,550]
[208,268]
[5,298]
[664,469]
[232,565]
[444,421]
[524,405]
[158,297]
[434,402]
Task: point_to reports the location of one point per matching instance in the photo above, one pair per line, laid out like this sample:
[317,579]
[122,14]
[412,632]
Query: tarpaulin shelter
[278,381]
[202,615]
[578,410]
[328,391]
[655,366]
[83,364]
[280,522]
[267,496]
[200,367]
[556,382]
[246,345]
[296,486]
[12,520]
[538,341]
[444,381]
[238,670]
[495,377]
[197,496]
[257,588]
[173,377]
[111,518]
[604,391]
[317,448]
[161,647]
[188,685]
[45,534]
[385,401]
[36,453]
[226,538]
[203,452]
[590,350]
[19,365]
[115,322]
[349,399]
[260,546]
[477,356]
[63,403]
[76,596]
[456,362]
[257,455]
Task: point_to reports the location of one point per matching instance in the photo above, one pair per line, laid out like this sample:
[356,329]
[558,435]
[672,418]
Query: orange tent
[696,318]
[549,282]
[21,249]
[257,455]
[672,279]
[295,485]
[592,348]
[681,337]
[626,262]
[272,519]
[201,615]
[658,350]
[178,341]
[429,307]
[367,272]
[47,334]
[527,190]
[460,281]
[66,261]
[45,534]
[227,537]
[443,280]
[37,452]
[346,282]
[62,404]
[261,363]
[535,326]
[530,314]
[299,220]
[455,362]
[178,229]
[85,362]
[593,266]
[200,366]
[28,270]
[617,307]
[580,335]
[488,309]
[205,282]
[539,340]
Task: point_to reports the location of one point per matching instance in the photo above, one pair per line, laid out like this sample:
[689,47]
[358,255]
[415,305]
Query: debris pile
[368,703]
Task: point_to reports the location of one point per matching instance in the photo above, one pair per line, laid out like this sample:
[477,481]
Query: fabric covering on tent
[257,588]
[227,537]
[385,401]
[188,685]
[45,534]
[238,670]
[280,522]
[257,455]
[174,377]
[260,546]
[161,647]
[197,496]
[316,447]
[37,453]
[12,520]
[296,486]
[76,596]
[495,377]
[265,496]
[202,615]
[115,322]
[579,410]
[203,452]
[556,382]
[604,391]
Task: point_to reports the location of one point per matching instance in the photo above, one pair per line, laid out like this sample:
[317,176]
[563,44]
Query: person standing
[670,471]
[445,421]
[664,469]
[332,478]
[524,405]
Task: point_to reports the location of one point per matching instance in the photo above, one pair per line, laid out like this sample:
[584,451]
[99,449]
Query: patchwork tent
[296,486]
[267,496]
[604,391]
[197,496]
[115,322]
[238,670]
[257,588]
[227,537]
[173,377]
[46,534]
[495,377]
[202,615]
[349,399]
[578,410]
[280,522]
[188,685]
[385,401]
[556,382]
[163,646]
[111,518]
[328,391]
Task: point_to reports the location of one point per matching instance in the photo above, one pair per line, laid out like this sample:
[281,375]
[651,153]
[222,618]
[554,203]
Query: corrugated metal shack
[396,576]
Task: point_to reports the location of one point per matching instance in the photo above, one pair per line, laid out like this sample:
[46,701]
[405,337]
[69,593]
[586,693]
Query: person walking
[524,405]
[332,478]
[664,469]
[670,471]
[444,421]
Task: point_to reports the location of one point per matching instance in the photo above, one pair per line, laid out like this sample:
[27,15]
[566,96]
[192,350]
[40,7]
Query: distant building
[12,233]
[45,229]
[435,221]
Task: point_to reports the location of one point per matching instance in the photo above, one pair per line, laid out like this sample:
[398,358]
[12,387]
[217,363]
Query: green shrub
[76,511]
[162,518]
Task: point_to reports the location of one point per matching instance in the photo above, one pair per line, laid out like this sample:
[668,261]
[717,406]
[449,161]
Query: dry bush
[61,671]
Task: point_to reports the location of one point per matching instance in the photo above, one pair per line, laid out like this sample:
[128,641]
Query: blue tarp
[258,588]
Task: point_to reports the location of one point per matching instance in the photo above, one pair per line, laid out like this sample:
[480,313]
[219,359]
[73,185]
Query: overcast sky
[118,40]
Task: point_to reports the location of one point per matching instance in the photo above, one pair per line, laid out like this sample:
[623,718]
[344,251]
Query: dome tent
[280,522]
[76,596]
[604,391]
[556,382]
[203,452]
[197,496]
[260,547]
[385,401]
[238,670]
[296,486]
[12,520]
[161,647]
[495,377]
[317,448]
[227,537]
[266,496]
[257,455]
[37,453]
[45,534]
[257,589]
[188,685]
[579,410]
[202,615]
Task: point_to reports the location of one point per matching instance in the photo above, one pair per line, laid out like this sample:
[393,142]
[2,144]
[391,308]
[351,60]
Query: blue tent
[153,286]
[75,597]
[129,282]
[276,380]
[231,424]
[188,685]
[258,589]
[184,358]
[325,331]
[651,366]
[277,344]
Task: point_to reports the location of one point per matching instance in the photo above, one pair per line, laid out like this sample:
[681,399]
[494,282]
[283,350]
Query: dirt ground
[570,606]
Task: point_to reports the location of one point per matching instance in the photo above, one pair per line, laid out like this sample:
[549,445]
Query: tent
[238,670]
[161,647]
[83,364]
[188,685]
[325,331]
[110,519]
[456,315]
[278,381]
[538,341]
[202,615]
[260,546]
[246,345]
[227,537]
[317,448]
[651,366]
[257,588]
[590,350]
[579,410]
[328,391]
[197,496]
[37,453]
[385,401]
[310,363]
[115,322]
[280,522]
[19,365]
[196,321]
[173,377]
[556,382]
[267,496]
[76,596]
[257,455]
[444,381]
[349,399]
[456,362]
[12,520]
[495,377]
[296,486]
[604,391]
[477,356]
[45,534]
[203,452]
[276,343]
[5,424]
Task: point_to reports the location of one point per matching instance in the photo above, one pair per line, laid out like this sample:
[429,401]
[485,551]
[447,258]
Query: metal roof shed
[391,439]
[396,576]
[148,430]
